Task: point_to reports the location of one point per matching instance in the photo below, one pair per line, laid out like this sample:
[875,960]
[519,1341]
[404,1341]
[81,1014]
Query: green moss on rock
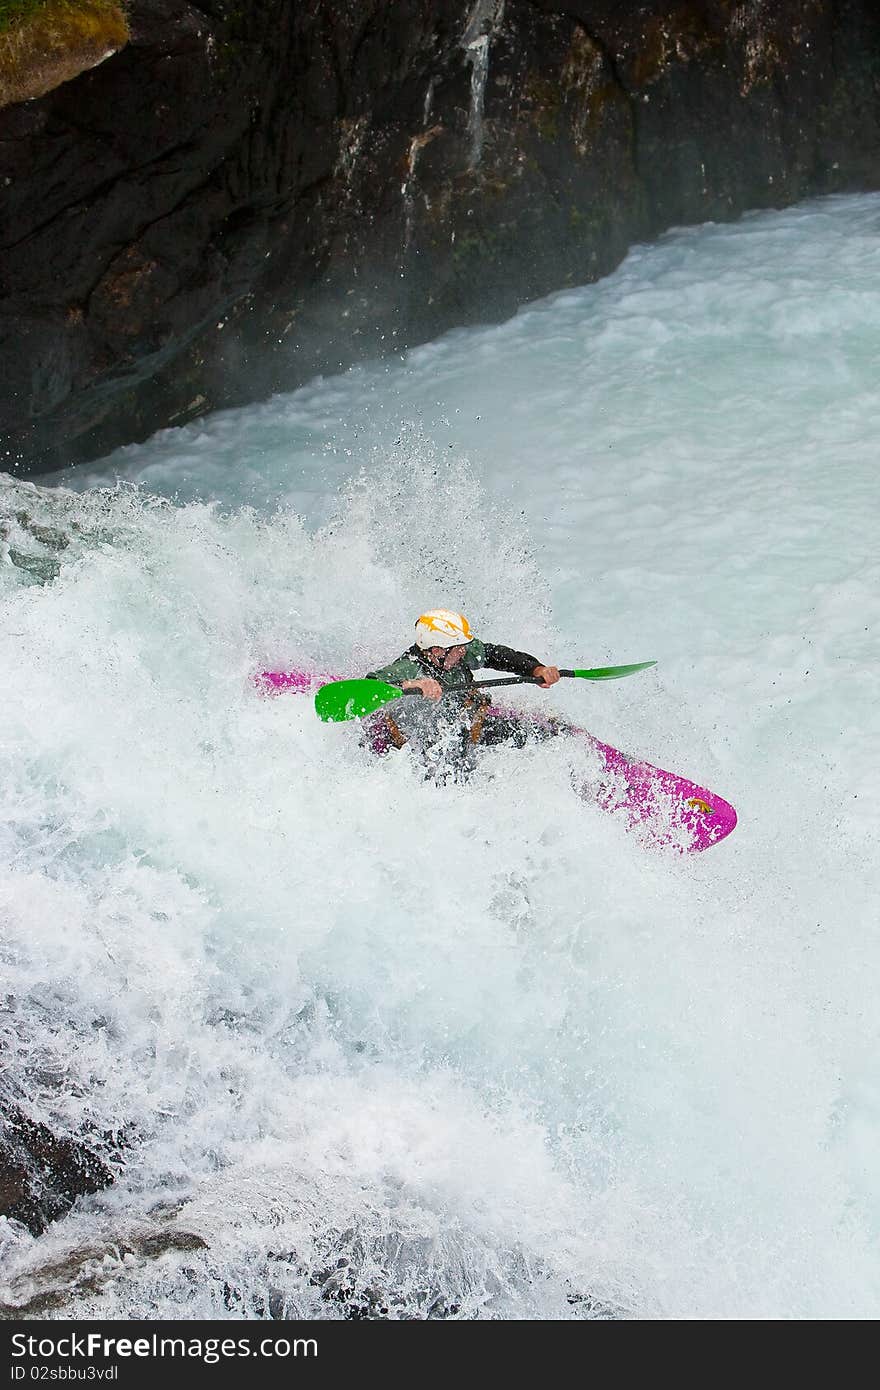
[46,42]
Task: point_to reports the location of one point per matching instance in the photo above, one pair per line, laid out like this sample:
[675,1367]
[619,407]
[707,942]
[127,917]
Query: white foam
[334,1009]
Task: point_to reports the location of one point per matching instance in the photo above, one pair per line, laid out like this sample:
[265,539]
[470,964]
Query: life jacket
[473,700]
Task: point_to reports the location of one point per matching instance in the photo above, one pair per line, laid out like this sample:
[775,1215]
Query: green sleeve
[475,657]
[403,669]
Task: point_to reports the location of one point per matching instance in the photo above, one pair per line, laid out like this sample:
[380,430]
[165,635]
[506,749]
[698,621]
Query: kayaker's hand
[547,675]
[431,689]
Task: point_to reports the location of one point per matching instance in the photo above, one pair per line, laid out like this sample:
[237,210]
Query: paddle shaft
[355,698]
[505,680]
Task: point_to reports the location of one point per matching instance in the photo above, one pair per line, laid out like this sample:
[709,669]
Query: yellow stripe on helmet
[449,623]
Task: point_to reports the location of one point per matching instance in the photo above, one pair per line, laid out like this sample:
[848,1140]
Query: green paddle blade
[352,699]
[613,673]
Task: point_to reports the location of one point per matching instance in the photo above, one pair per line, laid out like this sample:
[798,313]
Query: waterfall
[482,24]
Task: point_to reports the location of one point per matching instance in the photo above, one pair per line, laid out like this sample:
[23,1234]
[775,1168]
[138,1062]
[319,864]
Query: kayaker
[452,720]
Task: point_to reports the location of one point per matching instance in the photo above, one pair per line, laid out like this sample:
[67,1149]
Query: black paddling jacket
[415,665]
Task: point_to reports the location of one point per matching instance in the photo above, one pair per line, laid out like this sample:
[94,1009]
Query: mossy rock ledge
[46,42]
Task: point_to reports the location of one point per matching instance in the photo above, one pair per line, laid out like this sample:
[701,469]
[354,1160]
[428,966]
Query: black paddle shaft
[505,680]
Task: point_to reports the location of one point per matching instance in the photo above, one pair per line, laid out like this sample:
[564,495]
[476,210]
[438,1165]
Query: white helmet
[440,628]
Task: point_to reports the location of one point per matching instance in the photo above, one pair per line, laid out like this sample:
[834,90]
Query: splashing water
[378,1049]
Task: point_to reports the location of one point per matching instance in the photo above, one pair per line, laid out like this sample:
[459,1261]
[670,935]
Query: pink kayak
[667,810]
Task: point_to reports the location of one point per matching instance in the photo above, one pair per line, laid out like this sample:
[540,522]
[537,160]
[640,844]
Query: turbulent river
[370,1046]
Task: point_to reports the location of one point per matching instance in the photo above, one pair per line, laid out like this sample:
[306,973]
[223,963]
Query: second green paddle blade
[613,673]
[352,699]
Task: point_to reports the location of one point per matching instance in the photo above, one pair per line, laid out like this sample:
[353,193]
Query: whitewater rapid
[469,1052]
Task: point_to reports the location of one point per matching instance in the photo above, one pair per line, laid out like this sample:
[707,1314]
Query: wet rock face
[247,194]
[42,1174]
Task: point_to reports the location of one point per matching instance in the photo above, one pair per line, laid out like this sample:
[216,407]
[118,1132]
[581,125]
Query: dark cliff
[246,194]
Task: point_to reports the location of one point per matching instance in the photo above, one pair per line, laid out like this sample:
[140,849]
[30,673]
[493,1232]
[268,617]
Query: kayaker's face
[447,657]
